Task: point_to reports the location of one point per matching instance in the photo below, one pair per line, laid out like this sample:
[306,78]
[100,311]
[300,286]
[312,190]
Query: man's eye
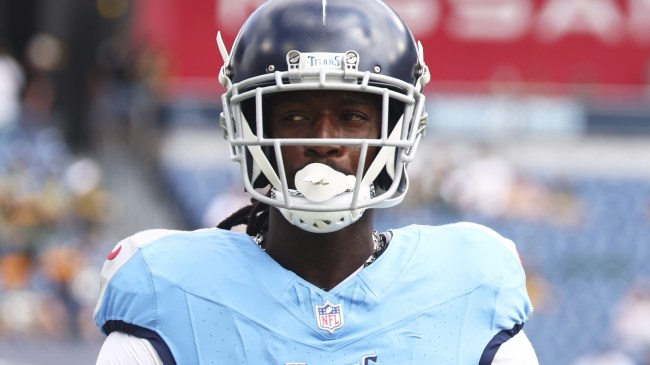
[294,118]
[354,117]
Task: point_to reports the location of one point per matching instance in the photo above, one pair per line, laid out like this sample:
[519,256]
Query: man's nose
[325,127]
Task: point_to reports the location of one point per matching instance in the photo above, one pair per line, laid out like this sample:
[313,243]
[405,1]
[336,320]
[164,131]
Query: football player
[324,111]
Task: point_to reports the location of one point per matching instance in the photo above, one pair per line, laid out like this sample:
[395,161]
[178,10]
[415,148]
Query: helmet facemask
[379,185]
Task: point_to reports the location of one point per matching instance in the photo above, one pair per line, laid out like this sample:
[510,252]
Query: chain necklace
[379,242]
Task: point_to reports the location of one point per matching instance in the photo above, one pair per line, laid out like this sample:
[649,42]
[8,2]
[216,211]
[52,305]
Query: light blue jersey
[437,295]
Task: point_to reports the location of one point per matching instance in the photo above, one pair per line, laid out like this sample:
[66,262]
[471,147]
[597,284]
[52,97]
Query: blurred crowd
[52,205]
[477,178]
[64,93]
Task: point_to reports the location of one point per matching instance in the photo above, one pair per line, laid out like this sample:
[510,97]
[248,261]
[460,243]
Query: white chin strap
[319,184]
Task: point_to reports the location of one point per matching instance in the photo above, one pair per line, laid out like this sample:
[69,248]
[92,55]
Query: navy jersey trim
[499,339]
[156,341]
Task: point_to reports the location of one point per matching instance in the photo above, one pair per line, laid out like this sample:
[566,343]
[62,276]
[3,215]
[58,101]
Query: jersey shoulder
[156,245]
[467,240]
[468,254]
[124,250]
[476,262]
[133,273]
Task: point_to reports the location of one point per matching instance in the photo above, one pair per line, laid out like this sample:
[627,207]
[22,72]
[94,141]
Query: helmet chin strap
[323,222]
[317,183]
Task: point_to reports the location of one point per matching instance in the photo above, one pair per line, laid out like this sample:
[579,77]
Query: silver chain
[378,241]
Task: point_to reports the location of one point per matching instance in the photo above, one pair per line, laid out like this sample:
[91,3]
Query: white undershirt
[120,348]
[123,349]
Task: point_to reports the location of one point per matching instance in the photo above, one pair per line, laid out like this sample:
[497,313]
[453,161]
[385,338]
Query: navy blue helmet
[302,45]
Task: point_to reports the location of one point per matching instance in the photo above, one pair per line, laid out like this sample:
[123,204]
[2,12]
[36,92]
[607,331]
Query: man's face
[324,114]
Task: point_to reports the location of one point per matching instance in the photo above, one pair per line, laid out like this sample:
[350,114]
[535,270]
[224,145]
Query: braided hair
[255,216]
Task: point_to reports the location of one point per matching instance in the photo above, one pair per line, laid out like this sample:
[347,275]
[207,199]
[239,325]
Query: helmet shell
[384,44]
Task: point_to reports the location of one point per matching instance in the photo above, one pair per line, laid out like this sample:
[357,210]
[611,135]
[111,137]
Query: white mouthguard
[318,182]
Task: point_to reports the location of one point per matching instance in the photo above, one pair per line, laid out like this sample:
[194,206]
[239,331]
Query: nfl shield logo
[329,317]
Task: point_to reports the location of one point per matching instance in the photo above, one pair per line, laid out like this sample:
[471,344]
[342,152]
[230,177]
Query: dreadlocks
[255,216]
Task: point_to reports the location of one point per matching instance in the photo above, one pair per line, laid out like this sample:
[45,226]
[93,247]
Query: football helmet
[302,45]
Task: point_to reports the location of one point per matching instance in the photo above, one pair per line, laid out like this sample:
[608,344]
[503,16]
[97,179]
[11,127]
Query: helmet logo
[324,62]
[307,61]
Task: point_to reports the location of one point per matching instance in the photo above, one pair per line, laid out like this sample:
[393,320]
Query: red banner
[556,41]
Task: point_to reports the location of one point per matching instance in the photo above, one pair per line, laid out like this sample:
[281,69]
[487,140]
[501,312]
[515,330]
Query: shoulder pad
[122,253]
[508,244]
